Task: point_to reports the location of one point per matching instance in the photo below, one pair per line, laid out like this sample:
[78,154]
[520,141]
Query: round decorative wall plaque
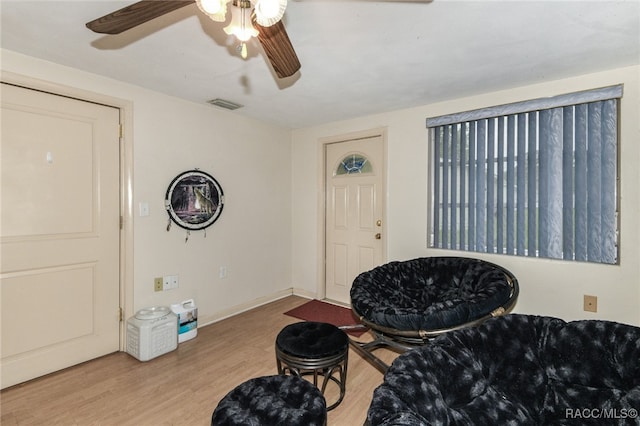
[194,200]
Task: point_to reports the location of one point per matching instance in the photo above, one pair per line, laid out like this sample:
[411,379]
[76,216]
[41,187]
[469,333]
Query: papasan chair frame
[488,291]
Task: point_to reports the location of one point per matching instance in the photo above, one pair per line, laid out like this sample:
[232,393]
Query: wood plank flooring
[182,387]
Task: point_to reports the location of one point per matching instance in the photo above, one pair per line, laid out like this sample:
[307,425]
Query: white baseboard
[304,293]
[243,307]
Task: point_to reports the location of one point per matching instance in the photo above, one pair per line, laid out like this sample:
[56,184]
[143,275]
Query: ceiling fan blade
[278,47]
[134,15]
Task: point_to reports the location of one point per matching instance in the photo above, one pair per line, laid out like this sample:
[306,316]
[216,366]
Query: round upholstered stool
[272,400]
[317,349]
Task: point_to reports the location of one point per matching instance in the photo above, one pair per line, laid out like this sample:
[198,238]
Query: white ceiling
[359,57]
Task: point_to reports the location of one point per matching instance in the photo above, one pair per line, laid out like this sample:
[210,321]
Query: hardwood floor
[182,387]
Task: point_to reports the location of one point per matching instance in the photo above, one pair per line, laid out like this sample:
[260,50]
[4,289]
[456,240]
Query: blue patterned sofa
[406,303]
[516,370]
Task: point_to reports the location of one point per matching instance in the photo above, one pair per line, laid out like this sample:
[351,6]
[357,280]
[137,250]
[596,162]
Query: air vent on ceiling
[222,103]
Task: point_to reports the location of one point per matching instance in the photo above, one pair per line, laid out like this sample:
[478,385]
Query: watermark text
[601,413]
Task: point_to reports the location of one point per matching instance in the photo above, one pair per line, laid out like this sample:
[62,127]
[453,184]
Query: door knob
[379,222]
[378,236]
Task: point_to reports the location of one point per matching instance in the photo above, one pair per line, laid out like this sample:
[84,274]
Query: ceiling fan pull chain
[242,50]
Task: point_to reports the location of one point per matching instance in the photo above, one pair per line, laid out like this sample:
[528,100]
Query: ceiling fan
[264,21]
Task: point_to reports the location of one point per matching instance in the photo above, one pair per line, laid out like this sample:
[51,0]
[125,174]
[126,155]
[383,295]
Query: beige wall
[269,234]
[250,159]
[547,287]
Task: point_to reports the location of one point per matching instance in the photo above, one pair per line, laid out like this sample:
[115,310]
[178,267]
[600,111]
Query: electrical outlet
[169,282]
[590,303]
[173,281]
[222,272]
[157,284]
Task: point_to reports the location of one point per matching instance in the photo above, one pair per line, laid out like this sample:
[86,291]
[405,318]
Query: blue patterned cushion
[430,293]
[272,400]
[516,370]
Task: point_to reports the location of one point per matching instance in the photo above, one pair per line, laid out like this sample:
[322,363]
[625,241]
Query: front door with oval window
[354,223]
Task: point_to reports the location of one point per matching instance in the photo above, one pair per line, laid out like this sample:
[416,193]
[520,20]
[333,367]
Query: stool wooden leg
[330,368]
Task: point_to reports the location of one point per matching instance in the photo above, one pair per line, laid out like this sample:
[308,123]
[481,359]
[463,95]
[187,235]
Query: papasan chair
[407,303]
[516,370]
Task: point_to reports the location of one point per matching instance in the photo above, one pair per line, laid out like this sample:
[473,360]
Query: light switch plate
[144,208]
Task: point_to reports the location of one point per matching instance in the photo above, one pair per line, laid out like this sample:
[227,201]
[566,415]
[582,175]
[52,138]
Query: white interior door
[354,212]
[60,231]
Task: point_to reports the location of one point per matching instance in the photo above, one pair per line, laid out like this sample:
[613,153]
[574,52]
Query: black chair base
[365,349]
[314,349]
[402,340]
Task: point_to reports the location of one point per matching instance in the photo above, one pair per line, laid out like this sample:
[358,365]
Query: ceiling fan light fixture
[274,39]
[214,9]
[268,12]
[240,25]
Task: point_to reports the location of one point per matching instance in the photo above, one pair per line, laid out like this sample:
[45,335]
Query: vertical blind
[535,178]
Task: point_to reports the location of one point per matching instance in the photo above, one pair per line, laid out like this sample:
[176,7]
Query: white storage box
[152,332]
[187,319]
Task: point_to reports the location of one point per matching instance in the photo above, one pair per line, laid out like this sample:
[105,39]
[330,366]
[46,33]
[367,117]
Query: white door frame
[322,200]
[126,176]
